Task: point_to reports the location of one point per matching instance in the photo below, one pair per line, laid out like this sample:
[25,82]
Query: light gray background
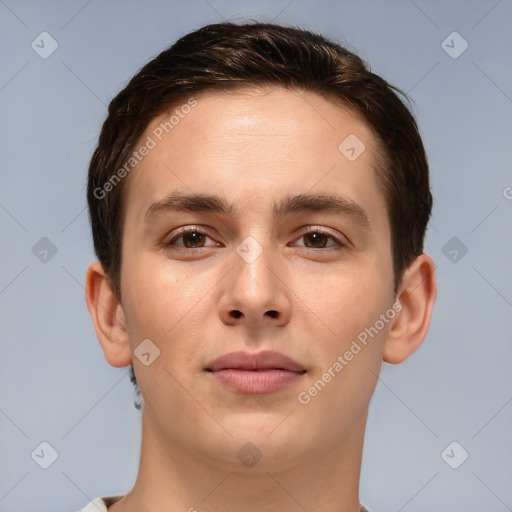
[55,384]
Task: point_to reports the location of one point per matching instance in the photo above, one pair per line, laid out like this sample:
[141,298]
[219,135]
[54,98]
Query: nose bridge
[253,262]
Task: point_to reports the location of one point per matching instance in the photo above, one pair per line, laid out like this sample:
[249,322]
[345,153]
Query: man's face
[301,282]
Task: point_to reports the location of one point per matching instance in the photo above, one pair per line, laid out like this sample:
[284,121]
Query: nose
[255,292]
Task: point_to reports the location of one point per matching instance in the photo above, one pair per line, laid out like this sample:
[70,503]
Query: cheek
[347,300]
[349,305]
[160,298]
[147,295]
[344,376]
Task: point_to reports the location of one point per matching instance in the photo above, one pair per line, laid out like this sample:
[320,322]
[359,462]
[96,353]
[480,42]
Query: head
[255,114]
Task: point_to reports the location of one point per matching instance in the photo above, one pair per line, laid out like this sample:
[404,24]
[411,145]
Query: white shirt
[101,504]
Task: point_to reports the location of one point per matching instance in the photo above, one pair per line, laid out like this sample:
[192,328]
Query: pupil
[194,237]
[315,238]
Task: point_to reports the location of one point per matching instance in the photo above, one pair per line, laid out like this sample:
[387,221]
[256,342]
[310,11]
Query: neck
[172,477]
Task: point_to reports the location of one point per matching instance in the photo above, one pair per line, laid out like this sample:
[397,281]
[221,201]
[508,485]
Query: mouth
[259,373]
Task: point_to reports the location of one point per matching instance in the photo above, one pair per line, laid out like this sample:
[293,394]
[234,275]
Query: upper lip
[265,360]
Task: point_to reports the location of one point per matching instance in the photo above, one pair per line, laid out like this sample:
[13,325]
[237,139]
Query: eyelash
[195,229]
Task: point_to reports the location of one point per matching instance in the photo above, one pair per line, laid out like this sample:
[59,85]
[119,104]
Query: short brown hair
[228,56]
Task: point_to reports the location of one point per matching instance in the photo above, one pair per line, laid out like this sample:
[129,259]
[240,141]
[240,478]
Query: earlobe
[107,316]
[417,294]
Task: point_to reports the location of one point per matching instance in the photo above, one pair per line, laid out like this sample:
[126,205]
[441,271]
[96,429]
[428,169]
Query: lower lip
[256,381]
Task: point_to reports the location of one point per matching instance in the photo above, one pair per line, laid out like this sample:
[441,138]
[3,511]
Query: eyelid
[340,240]
[183,231]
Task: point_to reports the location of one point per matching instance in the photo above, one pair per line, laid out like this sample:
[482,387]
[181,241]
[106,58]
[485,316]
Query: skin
[254,147]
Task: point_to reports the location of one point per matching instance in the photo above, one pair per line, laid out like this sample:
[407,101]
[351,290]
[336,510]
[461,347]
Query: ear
[107,316]
[416,295]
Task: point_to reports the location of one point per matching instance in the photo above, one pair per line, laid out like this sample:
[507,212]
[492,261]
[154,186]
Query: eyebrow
[329,203]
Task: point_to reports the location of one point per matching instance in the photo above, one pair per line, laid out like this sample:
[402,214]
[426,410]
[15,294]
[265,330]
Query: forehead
[234,116]
[252,142]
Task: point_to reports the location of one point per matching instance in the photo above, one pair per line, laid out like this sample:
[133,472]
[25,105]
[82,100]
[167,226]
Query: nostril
[273,313]
[236,313]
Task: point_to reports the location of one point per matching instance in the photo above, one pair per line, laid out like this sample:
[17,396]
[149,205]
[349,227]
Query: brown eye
[195,239]
[191,239]
[317,239]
